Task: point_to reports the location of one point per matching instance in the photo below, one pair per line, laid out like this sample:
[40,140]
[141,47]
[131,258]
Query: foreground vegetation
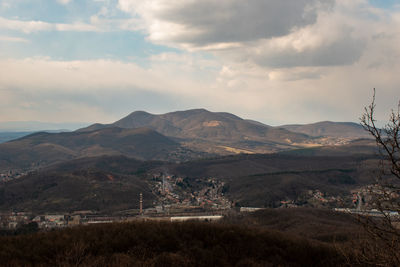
[165,244]
[272,237]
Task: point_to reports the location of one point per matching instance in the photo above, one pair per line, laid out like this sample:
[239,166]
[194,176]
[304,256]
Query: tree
[384,231]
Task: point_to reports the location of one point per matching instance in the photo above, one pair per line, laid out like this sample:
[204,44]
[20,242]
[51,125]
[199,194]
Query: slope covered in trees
[165,244]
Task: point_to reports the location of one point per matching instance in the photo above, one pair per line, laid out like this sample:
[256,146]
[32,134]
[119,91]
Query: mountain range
[105,166]
[225,133]
[175,136]
[213,132]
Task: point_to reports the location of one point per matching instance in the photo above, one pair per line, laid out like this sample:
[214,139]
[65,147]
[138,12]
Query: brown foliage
[164,244]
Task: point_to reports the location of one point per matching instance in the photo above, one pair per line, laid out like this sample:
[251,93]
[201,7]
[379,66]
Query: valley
[110,184]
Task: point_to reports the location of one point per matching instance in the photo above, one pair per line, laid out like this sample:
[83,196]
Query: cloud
[327,42]
[46,75]
[64,2]
[13,39]
[200,23]
[36,26]
[319,62]
[98,86]
[105,90]
[4,5]
[277,34]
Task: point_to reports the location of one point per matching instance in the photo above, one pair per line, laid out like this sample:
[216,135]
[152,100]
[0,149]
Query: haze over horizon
[29,126]
[276,62]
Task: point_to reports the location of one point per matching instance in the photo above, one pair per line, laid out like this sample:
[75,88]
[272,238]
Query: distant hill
[353,147]
[8,136]
[41,149]
[101,183]
[328,128]
[265,180]
[212,131]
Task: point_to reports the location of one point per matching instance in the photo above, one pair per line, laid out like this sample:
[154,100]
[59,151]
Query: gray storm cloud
[239,21]
[269,33]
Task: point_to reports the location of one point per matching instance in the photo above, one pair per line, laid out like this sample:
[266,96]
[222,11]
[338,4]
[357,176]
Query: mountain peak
[134,120]
[202,124]
[140,113]
[190,112]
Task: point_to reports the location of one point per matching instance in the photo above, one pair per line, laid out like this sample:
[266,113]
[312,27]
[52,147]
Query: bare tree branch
[385,230]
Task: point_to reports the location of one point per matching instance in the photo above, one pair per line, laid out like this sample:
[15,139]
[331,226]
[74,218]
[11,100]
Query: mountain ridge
[174,136]
[329,128]
[223,131]
[42,148]
[142,118]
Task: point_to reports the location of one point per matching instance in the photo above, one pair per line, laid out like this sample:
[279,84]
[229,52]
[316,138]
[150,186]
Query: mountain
[218,132]
[349,130]
[177,136]
[8,136]
[41,149]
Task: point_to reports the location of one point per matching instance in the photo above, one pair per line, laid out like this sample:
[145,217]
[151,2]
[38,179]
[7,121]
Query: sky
[275,61]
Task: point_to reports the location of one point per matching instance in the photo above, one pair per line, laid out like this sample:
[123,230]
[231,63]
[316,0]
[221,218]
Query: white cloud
[5,4]
[302,94]
[46,75]
[36,26]
[330,41]
[13,39]
[64,2]
[24,26]
[90,84]
[97,24]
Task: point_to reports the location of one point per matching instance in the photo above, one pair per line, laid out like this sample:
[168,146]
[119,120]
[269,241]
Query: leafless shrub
[382,246]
